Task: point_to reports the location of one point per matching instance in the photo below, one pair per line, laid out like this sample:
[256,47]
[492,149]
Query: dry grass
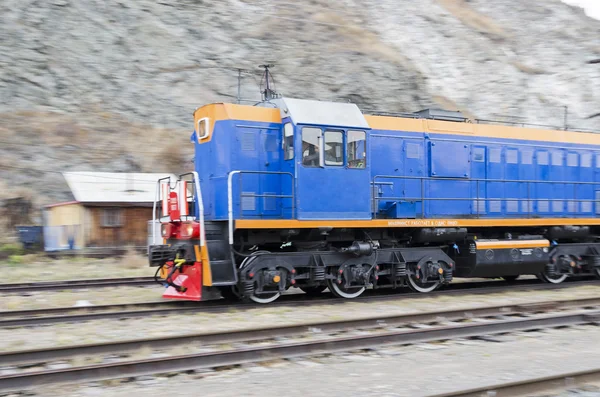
[42,268]
[110,134]
[470,17]
[134,260]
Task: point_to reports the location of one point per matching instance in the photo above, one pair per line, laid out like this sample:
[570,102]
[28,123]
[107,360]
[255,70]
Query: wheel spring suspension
[319,273]
[596,261]
[551,269]
[248,288]
[448,275]
[401,270]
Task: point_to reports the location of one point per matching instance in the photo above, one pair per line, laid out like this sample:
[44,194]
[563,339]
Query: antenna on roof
[265,89]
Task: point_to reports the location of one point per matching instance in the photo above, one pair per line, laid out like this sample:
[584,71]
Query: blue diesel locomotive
[316,195]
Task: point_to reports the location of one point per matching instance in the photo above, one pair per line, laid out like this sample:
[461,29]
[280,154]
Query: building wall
[129,227]
[64,222]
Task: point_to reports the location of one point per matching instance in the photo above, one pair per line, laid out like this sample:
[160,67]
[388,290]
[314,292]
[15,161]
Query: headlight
[166,230]
[190,229]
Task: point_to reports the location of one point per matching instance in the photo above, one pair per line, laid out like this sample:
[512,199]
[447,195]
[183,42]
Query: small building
[108,210]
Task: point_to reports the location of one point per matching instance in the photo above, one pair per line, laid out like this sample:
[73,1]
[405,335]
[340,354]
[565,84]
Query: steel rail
[526,387]
[279,351]
[78,314]
[91,309]
[76,284]
[61,353]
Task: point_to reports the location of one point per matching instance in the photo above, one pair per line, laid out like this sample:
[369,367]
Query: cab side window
[334,148]
[311,147]
[356,149]
[288,141]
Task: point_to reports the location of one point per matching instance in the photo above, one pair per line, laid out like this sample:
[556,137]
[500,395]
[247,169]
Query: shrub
[133,259]
[15,259]
[8,250]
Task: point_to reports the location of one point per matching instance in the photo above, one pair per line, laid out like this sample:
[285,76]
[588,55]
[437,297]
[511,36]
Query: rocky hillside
[111,85]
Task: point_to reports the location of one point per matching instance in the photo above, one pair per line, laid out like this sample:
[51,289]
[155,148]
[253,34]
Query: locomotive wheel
[556,279]
[341,292]
[415,277]
[313,291]
[418,286]
[263,297]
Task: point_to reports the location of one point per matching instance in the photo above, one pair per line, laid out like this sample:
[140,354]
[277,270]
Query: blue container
[30,235]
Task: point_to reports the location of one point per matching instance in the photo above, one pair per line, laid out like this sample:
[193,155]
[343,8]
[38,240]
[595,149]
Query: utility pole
[566,117]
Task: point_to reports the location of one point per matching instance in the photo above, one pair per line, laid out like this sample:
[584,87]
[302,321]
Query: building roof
[113,187]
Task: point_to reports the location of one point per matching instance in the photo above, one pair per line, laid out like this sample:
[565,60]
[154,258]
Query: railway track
[263,344]
[52,354]
[527,387]
[77,284]
[36,317]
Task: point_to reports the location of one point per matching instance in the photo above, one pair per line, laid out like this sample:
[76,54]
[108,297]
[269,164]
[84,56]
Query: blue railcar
[316,195]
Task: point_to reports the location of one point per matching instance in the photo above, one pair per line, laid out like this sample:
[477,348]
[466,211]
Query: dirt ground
[35,268]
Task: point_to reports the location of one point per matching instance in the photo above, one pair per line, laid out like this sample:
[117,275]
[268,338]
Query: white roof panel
[113,187]
[339,114]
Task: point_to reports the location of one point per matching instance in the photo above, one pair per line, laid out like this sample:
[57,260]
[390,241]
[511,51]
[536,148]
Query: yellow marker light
[440,270]
[276,279]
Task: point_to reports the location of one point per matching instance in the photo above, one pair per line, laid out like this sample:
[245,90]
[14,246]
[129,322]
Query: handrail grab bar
[156,195]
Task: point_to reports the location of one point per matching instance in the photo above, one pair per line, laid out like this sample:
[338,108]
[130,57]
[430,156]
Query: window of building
[334,148]
[356,149]
[542,158]
[288,141]
[112,217]
[311,147]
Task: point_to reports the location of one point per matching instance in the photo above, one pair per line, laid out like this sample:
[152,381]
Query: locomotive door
[399,167]
[388,170]
[331,181]
[478,182]
[270,184]
[414,188]
[288,185]
[259,152]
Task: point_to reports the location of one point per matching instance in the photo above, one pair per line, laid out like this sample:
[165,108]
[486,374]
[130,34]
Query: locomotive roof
[229,111]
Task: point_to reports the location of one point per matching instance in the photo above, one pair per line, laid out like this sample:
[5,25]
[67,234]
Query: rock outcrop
[100,67]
